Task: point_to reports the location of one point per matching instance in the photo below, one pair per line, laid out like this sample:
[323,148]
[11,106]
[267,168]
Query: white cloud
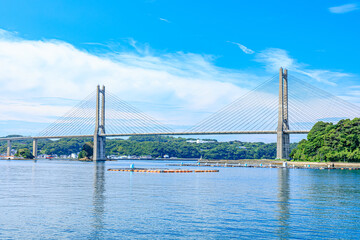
[42,79]
[344,8]
[243,48]
[32,70]
[352,94]
[164,20]
[274,58]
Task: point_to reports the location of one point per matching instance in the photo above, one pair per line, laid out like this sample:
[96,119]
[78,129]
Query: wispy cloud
[32,70]
[243,48]
[344,8]
[164,20]
[190,84]
[274,58]
[142,49]
[96,44]
[352,94]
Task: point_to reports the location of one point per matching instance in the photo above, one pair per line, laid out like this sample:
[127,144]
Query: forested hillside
[331,142]
[158,146]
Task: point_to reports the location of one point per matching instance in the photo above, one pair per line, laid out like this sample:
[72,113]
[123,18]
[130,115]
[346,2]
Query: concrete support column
[8,150]
[96,148]
[96,133]
[280,136]
[102,142]
[103,111]
[286,141]
[283,139]
[35,148]
[99,141]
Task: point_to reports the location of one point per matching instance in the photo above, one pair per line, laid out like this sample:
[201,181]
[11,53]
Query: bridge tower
[283,139]
[99,141]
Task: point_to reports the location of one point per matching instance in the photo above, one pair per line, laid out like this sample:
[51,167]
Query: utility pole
[99,141]
[283,139]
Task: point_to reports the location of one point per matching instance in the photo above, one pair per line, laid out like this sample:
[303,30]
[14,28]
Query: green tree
[87,150]
[25,153]
[331,142]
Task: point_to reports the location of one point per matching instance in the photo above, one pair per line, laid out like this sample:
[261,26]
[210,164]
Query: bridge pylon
[283,139]
[99,141]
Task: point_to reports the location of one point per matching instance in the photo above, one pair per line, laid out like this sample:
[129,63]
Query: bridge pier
[99,141]
[35,148]
[99,148]
[8,150]
[283,139]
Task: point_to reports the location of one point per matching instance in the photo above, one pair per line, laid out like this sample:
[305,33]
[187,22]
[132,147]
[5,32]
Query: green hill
[331,142]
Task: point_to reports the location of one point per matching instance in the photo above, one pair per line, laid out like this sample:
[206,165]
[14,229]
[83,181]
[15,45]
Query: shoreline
[254,162]
[279,163]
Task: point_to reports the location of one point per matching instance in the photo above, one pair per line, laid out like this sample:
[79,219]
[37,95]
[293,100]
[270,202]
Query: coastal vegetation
[25,153]
[325,142]
[331,142]
[86,151]
[64,146]
[156,146]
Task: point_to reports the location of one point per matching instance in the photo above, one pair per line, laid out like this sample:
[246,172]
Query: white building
[199,141]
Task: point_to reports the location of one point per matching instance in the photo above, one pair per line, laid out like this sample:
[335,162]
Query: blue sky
[229,46]
[306,29]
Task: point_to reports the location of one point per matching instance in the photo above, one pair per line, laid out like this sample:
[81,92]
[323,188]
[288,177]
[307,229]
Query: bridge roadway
[159,134]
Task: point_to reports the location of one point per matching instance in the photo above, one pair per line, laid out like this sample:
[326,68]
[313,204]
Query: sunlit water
[77,200]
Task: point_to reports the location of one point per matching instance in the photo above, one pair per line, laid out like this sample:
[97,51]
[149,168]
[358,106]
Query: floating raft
[151,170]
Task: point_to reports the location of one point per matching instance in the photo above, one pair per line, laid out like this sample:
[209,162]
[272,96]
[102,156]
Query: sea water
[53,199]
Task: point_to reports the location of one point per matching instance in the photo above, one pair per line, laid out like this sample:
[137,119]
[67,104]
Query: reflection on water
[283,203]
[98,199]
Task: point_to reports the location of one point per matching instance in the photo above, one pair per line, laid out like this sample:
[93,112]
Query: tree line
[157,146]
[331,142]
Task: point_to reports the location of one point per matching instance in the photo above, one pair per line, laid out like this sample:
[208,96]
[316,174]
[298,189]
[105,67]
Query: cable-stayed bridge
[283,105]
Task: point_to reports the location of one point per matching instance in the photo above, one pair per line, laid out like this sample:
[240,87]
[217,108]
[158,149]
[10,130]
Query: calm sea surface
[76,200]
